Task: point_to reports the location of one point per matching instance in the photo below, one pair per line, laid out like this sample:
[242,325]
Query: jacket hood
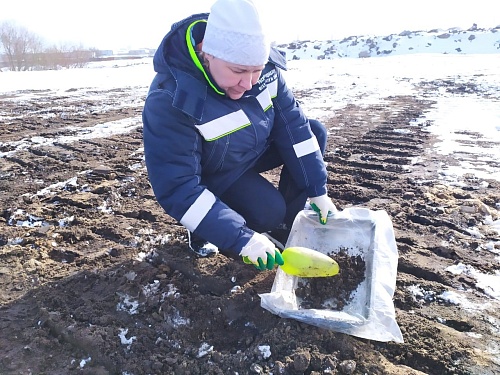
[173,50]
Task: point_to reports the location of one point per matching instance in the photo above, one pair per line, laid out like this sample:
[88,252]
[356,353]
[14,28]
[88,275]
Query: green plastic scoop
[305,262]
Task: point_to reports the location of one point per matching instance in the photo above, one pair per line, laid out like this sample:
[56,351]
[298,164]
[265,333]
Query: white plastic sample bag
[358,231]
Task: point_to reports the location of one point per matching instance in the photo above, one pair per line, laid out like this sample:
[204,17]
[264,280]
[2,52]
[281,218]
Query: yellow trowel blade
[305,262]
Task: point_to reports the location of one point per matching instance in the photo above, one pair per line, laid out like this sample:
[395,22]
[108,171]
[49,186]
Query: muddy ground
[96,279]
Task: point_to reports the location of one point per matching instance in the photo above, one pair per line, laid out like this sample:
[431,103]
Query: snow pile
[453,41]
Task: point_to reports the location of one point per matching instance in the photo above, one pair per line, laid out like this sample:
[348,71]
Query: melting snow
[83,362]
[265,350]
[127,304]
[58,186]
[123,337]
[460,299]
[151,289]
[204,350]
[489,283]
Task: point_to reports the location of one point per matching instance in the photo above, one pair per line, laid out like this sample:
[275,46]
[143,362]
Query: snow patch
[488,283]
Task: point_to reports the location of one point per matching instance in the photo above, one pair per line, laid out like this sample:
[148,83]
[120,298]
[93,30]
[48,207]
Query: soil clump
[334,292]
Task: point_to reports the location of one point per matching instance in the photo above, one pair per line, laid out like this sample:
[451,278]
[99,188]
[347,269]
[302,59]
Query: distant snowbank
[455,41]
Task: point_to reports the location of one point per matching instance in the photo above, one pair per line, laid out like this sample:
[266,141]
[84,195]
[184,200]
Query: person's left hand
[323,206]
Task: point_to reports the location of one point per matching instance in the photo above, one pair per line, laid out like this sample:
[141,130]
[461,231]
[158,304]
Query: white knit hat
[235,33]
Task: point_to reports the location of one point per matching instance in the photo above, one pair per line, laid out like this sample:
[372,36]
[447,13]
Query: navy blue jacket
[198,141]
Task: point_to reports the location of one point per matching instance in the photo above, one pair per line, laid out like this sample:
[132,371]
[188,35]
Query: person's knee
[320,132]
[269,217]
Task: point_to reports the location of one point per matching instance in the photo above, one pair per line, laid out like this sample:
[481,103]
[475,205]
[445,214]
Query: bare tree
[25,51]
[19,44]
[7,37]
[80,56]
[65,56]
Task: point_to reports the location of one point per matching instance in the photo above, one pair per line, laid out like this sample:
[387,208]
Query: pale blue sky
[122,24]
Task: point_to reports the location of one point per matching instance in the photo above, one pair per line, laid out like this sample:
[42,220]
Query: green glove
[271,261]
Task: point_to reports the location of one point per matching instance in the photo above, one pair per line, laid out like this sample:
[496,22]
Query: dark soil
[334,292]
[96,279]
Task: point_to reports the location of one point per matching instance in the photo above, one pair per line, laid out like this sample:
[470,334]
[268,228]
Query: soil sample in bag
[333,292]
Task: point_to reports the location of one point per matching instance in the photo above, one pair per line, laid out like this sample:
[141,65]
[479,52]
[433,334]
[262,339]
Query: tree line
[21,49]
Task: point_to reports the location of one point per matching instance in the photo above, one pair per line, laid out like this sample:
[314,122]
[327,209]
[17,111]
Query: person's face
[234,79]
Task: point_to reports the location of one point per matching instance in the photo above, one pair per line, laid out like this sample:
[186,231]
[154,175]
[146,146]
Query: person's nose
[246,81]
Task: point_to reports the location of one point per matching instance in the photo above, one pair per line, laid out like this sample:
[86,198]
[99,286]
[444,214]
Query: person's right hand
[261,252]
